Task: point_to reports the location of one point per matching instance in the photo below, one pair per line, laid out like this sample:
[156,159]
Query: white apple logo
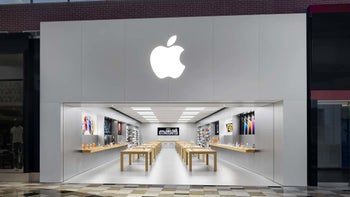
[165,61]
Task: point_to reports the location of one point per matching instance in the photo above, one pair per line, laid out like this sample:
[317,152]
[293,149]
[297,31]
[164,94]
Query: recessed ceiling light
[186,116]
[141,108]
[145,113]
[184,119]
[152,119]
[190,113]
[194,108]
[149,117]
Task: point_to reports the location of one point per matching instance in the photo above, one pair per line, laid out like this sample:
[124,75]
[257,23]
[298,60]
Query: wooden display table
[151,147]
[190,152]
[185,147]
[103,148]
[168,143]
[158,145]
[180,145]
[130,152]
[234,148]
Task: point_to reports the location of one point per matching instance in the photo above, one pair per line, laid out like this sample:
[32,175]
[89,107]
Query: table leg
[182,156]
[138,156]
[198,155]
[207,157]
[121,161]
[186,159]
[130,155]
[150,158]
[215,165]
[146,162]
[190,164]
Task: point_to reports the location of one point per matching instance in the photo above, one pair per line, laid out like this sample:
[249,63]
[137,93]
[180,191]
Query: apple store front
[193,100]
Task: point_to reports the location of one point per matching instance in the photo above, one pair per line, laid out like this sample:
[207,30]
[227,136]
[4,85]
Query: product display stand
[203,135]
[132,135]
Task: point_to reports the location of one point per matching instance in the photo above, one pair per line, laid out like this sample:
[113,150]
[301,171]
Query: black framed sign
[168,131]
[216,125]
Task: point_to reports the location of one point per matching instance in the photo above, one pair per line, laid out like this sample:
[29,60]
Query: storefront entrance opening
[108,143]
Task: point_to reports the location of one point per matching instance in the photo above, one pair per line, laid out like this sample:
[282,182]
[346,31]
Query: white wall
[228,58]
[278,143]
[76,162]
[261,162]
[149,132]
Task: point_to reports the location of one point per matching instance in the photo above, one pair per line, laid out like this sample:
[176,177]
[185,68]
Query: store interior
[240,134]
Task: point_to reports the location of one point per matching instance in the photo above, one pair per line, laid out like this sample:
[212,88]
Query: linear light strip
[194,108]
[141,108]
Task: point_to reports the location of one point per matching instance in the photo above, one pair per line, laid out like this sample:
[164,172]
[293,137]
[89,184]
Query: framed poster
[168,131]
[229,127]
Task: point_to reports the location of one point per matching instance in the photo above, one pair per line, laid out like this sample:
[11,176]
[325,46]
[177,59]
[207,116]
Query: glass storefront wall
[11,112]
[333,125]
[14,1]
[4,2]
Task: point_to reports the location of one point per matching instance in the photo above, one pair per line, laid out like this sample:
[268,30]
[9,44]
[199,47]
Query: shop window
[14,1]
[11,112]
[333,125]
[48,1]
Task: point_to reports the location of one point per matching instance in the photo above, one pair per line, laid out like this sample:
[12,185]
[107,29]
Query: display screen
[108,125]
[216,125]
[168,131]
[247,123]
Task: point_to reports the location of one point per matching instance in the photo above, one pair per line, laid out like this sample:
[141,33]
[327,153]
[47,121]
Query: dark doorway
[19,103]
[333,121]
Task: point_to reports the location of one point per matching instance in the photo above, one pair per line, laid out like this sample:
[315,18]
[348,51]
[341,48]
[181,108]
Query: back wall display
[119,128]
[88,124]
[229,127]
[216,126]
[109,128]
[247,123]
[168,131]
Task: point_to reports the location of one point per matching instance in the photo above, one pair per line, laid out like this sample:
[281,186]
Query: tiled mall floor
[90,190]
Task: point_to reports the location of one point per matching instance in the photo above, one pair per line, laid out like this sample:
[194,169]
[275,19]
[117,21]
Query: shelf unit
[234,148]
[203,135]
[132,135]
[103,148]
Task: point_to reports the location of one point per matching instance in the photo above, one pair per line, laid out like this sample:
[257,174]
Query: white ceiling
[170,112]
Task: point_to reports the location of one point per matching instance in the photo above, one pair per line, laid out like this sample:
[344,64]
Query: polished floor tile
[169,168]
